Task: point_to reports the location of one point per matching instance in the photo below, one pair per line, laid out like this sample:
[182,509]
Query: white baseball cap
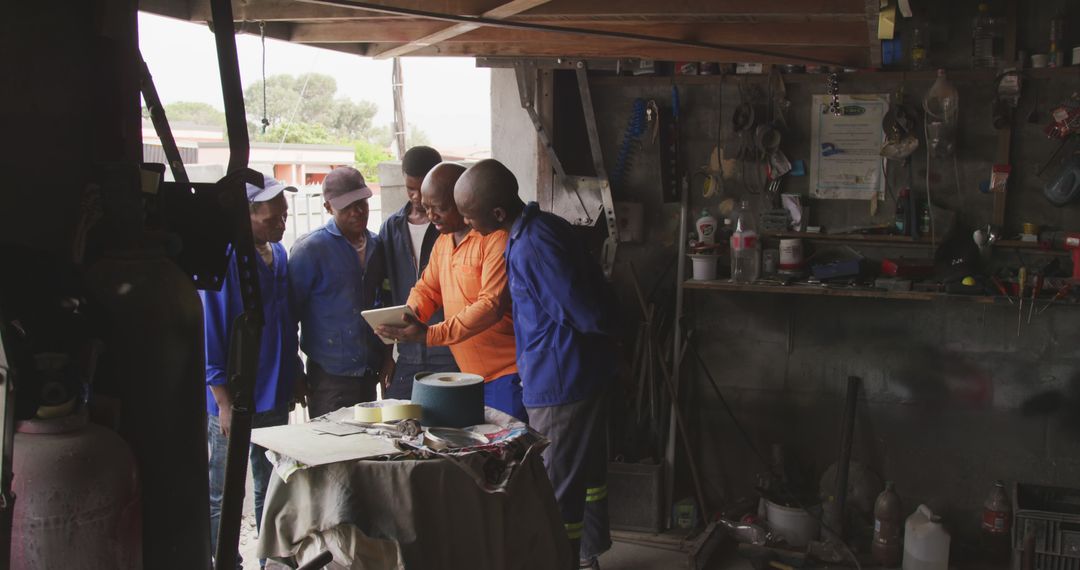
[271,188]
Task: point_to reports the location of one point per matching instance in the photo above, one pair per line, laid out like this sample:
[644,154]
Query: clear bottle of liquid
[745,247]
[982,39]
[942,106]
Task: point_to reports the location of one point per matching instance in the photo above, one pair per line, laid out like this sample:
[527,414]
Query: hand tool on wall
[1001,289]
[1061,294]
[1021,280]
[1035,290]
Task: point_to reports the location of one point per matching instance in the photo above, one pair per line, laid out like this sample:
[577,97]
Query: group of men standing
[499,289]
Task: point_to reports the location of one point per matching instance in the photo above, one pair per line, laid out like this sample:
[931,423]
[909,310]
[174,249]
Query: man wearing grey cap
[336,272]
[276,378]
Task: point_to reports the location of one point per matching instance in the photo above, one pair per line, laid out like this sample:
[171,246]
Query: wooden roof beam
[502,12]
[303,10]
[603,48]
[791,34]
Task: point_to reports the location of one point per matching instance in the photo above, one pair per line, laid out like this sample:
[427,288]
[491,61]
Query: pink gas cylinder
[77,497]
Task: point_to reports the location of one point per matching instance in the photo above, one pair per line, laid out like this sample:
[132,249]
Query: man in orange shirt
[466,276]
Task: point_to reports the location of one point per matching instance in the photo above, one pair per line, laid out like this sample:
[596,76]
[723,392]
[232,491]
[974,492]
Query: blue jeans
[504,394]
[404,372]
[261,469]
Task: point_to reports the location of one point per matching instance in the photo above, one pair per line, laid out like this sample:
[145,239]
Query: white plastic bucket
[797,526]
[704,266]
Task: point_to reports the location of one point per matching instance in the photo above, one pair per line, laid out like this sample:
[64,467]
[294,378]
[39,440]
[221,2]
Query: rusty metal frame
[593,193]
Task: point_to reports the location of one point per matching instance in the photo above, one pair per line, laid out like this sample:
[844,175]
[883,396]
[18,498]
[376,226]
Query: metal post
[398,81]
[677,343]
[161,124]
[246,332]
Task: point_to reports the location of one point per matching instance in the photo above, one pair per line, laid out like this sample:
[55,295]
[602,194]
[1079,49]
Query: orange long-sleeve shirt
[469,283]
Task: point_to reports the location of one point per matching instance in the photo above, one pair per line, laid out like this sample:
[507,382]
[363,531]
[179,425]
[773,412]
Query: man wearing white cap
[276,379]
[336,272]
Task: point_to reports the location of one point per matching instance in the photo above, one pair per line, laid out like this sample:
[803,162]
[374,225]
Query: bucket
[704,266]
[797,526]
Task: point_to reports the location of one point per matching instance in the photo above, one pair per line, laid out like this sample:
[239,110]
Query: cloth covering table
[479,510]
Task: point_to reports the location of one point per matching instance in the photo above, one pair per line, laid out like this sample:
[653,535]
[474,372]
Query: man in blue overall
[336,272]
[278,367]
[408,236]
[564,324]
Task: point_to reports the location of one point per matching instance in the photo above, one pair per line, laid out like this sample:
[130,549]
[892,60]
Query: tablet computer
[387,316]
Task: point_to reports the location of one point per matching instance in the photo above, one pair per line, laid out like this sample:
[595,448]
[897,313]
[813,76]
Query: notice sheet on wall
[845,150]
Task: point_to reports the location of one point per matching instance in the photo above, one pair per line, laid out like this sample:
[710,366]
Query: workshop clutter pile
[769,212]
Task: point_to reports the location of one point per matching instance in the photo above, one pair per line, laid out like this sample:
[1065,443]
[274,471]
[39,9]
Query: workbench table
[435,512]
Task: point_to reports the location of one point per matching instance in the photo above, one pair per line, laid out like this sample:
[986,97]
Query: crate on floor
[634,497]
[1051,515]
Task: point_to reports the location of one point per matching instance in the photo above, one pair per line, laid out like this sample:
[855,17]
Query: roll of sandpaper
[449,399]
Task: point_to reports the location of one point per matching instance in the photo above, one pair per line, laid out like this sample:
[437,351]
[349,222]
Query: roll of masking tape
[401,412]
[449,399]
[367,414]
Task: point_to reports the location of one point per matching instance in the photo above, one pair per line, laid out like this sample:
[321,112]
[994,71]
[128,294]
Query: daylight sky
[448,98]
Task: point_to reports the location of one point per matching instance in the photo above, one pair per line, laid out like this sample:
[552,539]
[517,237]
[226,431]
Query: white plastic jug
[926,542]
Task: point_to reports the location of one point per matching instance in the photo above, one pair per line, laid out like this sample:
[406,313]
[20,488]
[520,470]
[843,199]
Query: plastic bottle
[887,528]
[1056,55]
[926,542]
[706,228]
[745,247]
[901,219]
[982,39]
[996,524]
[942,106]
[919,41]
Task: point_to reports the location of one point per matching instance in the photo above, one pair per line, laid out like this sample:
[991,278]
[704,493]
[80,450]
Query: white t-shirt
[417,232]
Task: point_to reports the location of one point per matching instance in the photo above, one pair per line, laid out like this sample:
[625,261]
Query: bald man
[564,323]
[466,277]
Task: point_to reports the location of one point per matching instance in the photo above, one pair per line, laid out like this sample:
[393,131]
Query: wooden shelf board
[820,291]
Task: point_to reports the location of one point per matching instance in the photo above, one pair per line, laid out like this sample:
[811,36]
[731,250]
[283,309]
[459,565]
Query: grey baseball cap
[343,186]
[271,188]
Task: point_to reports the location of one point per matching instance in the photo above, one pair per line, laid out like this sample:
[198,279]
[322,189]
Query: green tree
[309,98]
[416,136]
[297,133]
[195,112]
[368,156]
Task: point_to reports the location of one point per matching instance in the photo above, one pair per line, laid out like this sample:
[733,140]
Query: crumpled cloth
[490,509]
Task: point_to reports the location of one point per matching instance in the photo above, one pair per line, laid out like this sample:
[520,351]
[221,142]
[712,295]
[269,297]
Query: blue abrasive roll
[449,399]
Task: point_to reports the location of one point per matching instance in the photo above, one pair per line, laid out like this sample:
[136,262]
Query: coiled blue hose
[635,127]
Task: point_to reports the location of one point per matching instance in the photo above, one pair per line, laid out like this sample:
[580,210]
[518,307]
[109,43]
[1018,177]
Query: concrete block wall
[952,399]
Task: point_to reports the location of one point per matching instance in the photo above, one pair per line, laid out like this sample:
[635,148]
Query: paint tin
[791,254]
[1039,60]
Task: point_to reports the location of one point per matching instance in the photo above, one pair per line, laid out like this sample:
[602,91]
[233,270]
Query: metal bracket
[593,192]
[607,259]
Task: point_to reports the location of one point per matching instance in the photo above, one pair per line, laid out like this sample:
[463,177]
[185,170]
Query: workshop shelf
[822,291]
[959,75]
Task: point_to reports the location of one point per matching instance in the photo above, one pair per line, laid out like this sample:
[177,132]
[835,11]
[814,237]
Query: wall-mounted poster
[845,159]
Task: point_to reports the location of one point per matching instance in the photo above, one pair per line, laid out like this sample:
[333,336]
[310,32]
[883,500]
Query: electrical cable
[262,36]
[929,197]
[299,101]
[516,25]
[765,462]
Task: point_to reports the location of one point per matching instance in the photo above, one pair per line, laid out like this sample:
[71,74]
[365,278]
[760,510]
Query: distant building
[205,153]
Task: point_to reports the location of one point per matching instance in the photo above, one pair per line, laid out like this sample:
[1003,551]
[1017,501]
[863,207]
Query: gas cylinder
[76,497]
[887,528]
[155,363]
